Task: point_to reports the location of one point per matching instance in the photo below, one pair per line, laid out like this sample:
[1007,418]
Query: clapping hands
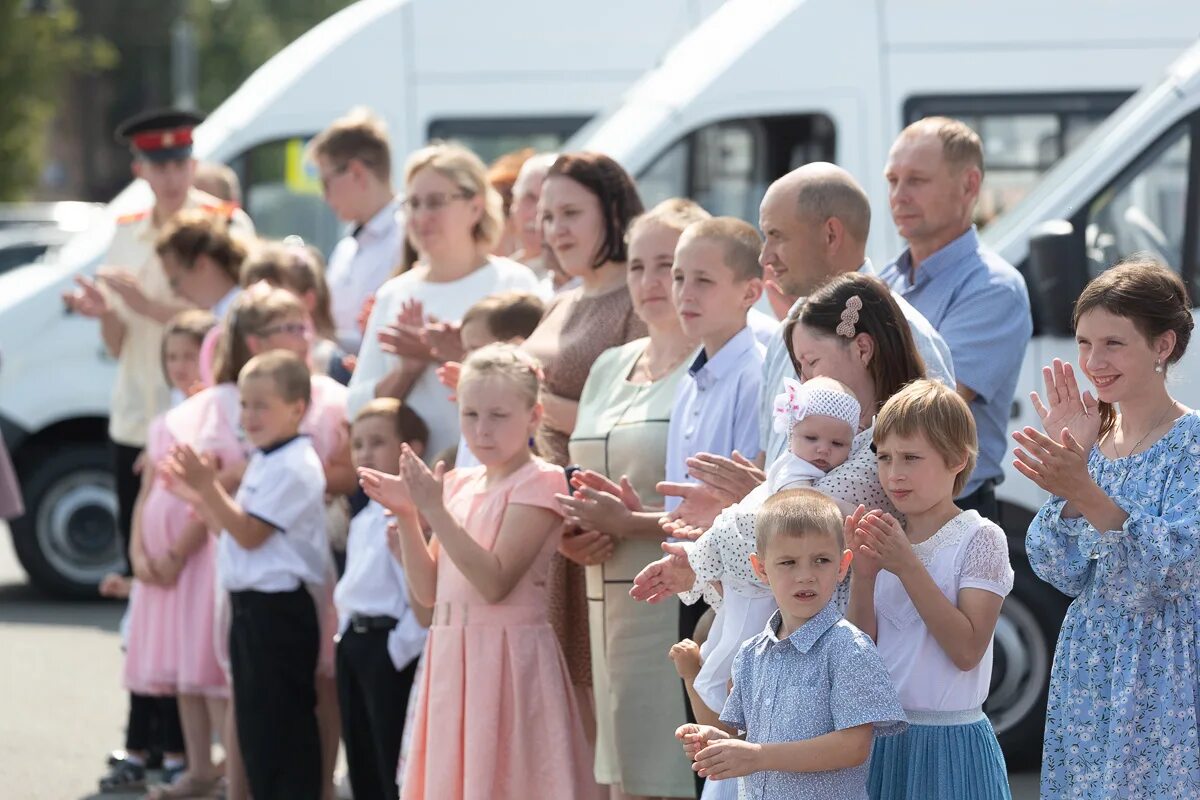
[879,542]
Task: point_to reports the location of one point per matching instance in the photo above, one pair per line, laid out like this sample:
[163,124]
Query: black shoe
[124,776]
[168,775]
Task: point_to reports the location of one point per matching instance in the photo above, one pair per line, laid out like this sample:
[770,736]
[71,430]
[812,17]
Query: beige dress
[622,430]
[575,330]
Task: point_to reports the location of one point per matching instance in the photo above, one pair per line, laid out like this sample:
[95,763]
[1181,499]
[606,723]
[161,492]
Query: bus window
[282,194]
[726,166]
[1144,211]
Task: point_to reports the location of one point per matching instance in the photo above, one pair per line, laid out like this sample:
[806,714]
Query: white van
[495,76]
[761,88]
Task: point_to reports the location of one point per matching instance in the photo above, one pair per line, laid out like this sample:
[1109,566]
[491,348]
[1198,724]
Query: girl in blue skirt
[929,593]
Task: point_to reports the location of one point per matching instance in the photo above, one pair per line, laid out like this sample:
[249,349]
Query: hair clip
[849,317]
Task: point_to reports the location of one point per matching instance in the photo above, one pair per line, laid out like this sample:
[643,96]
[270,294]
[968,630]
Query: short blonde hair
[738,239]
[508,315]
[286,370]
[937,412]
[798,512]
[961,146]
[359,136]
[508,362]
[674,213]
[460,165]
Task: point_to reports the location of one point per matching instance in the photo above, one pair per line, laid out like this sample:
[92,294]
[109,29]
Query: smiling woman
[1121,534]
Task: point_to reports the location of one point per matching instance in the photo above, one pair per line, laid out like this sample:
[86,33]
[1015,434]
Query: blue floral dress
[1121,720]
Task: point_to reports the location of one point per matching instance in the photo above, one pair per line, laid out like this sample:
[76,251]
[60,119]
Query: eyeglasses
[291,328]
[433,202]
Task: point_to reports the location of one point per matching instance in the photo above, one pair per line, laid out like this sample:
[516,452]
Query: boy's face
[709,297]
[266,417]
[374,444]
[475,334]
[913,474]
[802,571]
[822,441]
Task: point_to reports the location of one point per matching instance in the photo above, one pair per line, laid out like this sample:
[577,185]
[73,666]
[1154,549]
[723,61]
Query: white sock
[174,762]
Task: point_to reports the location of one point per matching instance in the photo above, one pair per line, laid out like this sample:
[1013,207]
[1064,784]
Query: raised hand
[883,539]
[587,548]
[729,479]
[586,478]
[87,299]
[444,340]
[386,489]
[700,505]
[1058,467]
[448,375]
[697,737]
[685,655]
[126,286]
[194,471]
[424,485]
[865,563]
[660,580]
[1078,413]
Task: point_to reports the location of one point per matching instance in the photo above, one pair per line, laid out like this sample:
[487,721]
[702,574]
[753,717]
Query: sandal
[124,776]
[185,785]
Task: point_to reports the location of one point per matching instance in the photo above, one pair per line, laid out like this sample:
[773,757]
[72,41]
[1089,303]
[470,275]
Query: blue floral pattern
[1121,719]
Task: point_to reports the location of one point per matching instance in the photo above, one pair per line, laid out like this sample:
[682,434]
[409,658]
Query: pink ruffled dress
[496,714]
[170,648]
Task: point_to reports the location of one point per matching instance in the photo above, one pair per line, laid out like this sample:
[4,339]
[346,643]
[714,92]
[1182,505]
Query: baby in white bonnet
[821,418]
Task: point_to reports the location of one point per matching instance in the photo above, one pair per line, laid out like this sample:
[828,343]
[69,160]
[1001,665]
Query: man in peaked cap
[132,299]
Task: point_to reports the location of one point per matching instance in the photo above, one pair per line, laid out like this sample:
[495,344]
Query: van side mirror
[1058,272]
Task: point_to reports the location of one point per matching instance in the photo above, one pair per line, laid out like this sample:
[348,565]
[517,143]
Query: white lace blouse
[968,552]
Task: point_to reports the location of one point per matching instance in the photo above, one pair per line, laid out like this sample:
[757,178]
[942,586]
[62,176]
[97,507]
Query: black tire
[67,541]
[1025,639]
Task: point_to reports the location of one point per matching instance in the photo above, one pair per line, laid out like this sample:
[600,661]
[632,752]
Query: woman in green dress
[620,441]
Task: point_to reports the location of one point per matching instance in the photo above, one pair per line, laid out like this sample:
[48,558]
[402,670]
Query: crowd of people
[525,495]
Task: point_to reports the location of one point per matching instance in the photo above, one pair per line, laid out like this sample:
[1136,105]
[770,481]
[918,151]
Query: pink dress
[496,714]
[170,648]
[216,416]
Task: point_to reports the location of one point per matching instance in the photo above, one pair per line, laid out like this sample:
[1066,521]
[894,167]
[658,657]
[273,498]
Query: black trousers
[273,642]
[982,500]
[373,697]
[127,484]
[153,724]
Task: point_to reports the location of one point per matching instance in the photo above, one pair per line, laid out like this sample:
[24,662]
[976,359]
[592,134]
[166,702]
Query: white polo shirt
[284,486]
[373,586]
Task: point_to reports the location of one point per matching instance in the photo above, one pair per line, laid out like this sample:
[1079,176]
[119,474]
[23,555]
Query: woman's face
[651,255]
[823,355]
[293,333]
[441,218]
[1116,357]
[573,223]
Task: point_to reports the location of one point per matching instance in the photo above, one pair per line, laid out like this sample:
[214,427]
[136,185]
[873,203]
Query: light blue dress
[1121,719]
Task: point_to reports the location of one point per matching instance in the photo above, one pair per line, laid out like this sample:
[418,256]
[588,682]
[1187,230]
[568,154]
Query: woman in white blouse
[453,217]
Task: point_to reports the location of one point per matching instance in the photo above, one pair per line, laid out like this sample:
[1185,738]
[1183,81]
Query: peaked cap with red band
[160,135]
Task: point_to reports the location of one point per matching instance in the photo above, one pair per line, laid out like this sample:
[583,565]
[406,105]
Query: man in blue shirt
[975,299]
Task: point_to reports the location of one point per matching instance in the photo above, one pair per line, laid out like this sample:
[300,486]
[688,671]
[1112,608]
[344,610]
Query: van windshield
[1147,97]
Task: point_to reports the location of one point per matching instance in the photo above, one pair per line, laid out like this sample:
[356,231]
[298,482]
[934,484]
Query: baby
[820,417]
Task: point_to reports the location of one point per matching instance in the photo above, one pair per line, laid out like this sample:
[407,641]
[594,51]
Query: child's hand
[386,489]
[448,375]
[727,758]
[114,585]
[884,540]
[424,485]
[686,657]
[194,471]
[696,737]
[444,340]
[865,563]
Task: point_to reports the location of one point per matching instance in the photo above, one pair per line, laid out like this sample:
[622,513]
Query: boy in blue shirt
[810,692]
[717,278]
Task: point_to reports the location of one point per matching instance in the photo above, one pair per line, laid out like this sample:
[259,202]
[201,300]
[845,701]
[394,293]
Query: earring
[1158,366]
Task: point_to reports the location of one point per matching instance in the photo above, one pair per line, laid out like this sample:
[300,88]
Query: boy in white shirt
[380,635]
[273,549]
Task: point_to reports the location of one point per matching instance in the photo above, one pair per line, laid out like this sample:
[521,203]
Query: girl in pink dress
[263,319]
[496,714]
[173,557]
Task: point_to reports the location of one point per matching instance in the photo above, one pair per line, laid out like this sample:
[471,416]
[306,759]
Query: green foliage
[235,37]
[38,49]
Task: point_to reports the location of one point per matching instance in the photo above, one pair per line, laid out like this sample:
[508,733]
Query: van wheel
[67,540]
[1026,635]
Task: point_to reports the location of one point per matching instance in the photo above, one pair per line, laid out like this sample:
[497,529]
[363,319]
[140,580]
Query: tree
[39,47]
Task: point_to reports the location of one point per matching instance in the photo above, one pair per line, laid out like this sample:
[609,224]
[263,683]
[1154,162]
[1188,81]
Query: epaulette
[224,209]
[138,216]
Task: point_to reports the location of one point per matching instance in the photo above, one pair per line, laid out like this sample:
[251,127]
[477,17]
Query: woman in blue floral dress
[1121,534]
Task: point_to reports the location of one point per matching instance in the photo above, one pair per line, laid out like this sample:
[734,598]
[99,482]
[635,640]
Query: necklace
[1138,443]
